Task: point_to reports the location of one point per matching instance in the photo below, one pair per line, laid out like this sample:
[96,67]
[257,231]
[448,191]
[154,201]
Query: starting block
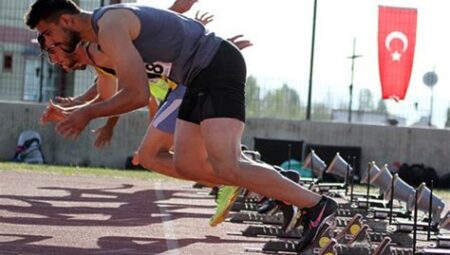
[254,231]
[382,249]
[237,207]
[397,238]
[242,217]
[364,195]
[243,199]
[349,210]
[383,213]
[434,251]
[324,187]
[362,203]
[408,226]
[306,180]
[443,241]
[318,246]
[355,231]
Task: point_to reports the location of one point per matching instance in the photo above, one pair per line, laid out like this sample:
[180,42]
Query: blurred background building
[25,74]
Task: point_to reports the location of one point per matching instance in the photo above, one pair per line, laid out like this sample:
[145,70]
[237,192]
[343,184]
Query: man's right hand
[52,113]
[67,101]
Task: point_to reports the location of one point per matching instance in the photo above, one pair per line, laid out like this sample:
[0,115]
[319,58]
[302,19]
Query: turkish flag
[396,43]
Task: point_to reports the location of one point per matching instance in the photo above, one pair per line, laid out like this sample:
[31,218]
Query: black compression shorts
[218,91]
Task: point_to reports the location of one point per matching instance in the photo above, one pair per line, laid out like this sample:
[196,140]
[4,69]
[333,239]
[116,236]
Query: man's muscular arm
[115,37]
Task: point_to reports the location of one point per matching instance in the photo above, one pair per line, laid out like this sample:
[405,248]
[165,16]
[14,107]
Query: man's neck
[84,26]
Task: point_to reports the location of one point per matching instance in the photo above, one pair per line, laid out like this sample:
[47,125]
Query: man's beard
[73,66]
[74,38]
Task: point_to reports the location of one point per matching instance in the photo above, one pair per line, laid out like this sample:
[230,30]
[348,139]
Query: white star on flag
[396,56]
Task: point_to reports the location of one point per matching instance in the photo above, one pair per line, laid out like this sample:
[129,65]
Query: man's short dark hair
[49,10]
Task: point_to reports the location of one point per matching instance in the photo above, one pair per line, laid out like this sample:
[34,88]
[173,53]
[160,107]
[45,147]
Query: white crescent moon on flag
[396,35]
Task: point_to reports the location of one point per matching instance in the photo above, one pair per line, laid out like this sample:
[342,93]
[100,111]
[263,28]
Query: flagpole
[431,107]
[311,64]
[430,79]
[353,56]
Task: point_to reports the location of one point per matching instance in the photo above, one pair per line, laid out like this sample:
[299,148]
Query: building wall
[10,80]
[15,39]
[11,12]
[383,144]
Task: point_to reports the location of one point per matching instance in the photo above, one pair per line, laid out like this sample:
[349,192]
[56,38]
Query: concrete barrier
[384,144]
[17,117]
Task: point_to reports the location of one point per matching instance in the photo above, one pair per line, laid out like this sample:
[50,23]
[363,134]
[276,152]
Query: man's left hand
[73,124]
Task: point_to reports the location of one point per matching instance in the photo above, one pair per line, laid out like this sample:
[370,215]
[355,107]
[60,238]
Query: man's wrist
[90,113]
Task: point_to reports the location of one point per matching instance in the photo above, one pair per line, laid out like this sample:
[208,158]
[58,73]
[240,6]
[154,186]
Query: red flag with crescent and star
[396,43]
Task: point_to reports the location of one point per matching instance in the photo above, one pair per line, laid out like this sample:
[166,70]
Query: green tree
[283,102]
[447,123]
[252,97]
[381,108]
[366,100]
[321,111]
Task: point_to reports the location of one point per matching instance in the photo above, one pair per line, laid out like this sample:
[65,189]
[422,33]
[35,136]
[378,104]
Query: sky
[281,33]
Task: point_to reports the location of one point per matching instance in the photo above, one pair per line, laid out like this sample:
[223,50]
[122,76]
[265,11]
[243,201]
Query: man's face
[68,61]
[59,35]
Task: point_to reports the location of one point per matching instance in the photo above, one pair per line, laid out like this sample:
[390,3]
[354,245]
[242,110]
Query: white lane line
[171,242]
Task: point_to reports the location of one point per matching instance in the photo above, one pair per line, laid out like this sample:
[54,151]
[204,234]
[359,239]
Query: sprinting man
[158,141]
[154,152]
[90,54]
[211,118]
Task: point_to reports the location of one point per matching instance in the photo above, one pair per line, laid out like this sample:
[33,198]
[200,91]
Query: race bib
[157,70]
[158,81]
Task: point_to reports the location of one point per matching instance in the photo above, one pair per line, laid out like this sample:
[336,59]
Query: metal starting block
[398,238]
[306,180]
[324,187]
[382,249]
[362,203]
[434,251]
[377,225]
[383,213]
[364,195]
[349,210]
[242,199]
[319,245]
[355,231]
[276,219]
[275,231]
[237,207]
[443,241]
[408,226]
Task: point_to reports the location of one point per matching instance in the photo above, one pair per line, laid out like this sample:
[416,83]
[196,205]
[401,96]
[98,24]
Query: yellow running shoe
[225,199]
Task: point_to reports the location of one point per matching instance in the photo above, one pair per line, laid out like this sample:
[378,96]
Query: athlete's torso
[170,44]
